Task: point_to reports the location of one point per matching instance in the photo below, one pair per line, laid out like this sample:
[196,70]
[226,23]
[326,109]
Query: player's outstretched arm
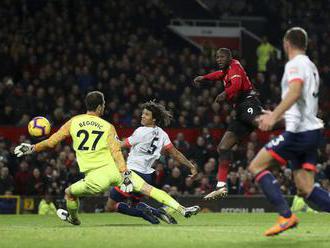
[213,76]
[115,149]
[51,142]
[221,97]
[197,80]
[178,156]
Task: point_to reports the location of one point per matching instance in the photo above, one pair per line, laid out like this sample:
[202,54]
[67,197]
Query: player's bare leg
[304,180]
[228,140]
[271,189]
[110,205]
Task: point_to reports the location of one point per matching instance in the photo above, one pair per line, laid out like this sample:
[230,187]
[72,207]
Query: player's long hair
[162,116]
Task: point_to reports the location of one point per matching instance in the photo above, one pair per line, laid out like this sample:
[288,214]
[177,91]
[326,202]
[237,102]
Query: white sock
[221,184]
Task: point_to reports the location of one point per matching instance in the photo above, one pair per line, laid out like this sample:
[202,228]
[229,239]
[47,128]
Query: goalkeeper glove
[127,185]
[23,149]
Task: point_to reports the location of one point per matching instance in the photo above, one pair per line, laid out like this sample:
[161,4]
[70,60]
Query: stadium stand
[47,66]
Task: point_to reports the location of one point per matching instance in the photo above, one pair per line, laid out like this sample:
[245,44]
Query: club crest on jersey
[227,84]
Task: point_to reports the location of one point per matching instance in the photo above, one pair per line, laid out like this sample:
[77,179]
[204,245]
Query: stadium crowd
[49,65]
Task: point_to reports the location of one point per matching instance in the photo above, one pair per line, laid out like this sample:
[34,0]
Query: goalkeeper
[100,158]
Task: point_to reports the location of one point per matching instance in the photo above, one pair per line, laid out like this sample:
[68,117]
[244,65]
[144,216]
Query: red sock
[223,168]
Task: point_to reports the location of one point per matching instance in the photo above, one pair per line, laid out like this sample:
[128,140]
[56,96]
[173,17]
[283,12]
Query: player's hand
[266,121]
[197,81]
[221,97]
[264,111]
[193,171]
[23,149]
[127,185]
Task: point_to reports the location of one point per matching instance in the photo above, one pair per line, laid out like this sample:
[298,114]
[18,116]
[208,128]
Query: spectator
[160,175]
[181,144]
[22,179]
[175,180]
[6,182]
[264,51]
[36,184]
[209,171]
[189,187]
[205,187]
[233,184]
[199,152]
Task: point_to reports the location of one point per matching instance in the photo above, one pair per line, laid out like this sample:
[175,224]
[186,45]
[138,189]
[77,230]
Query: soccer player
[239,91]
[100,158]
[301,138]
[146,145]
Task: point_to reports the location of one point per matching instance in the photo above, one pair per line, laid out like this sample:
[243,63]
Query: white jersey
[146,144]
[302,114]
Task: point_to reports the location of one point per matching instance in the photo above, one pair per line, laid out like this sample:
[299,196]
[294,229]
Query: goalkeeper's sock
[124,208]
[169,210]
[271,189]
[72,205]
[164,198]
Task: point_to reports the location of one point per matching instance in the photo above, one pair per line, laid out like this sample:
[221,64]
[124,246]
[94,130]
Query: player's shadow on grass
[125,225]
[107,225]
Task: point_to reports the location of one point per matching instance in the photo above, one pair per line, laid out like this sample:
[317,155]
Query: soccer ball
[39,126]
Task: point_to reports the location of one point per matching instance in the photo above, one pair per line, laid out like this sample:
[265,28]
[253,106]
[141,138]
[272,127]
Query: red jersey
[234,79]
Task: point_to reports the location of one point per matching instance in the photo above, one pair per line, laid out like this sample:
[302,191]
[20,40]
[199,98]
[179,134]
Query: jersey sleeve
[134,139]
[56,138]
[217,75]
[295,72]
[167,142]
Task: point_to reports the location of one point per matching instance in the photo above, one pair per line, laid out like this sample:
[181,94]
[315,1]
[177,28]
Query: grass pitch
[204,230]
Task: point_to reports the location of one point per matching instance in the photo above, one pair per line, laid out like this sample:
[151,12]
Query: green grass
[204,230]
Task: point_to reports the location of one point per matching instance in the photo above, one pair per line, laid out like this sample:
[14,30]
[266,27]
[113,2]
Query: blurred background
[53,52]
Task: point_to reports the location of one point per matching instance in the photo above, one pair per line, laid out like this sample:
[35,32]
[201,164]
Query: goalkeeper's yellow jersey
[90,136]
[94,140]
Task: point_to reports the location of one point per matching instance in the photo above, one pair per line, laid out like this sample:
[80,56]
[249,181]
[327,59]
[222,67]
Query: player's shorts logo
[275,142]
